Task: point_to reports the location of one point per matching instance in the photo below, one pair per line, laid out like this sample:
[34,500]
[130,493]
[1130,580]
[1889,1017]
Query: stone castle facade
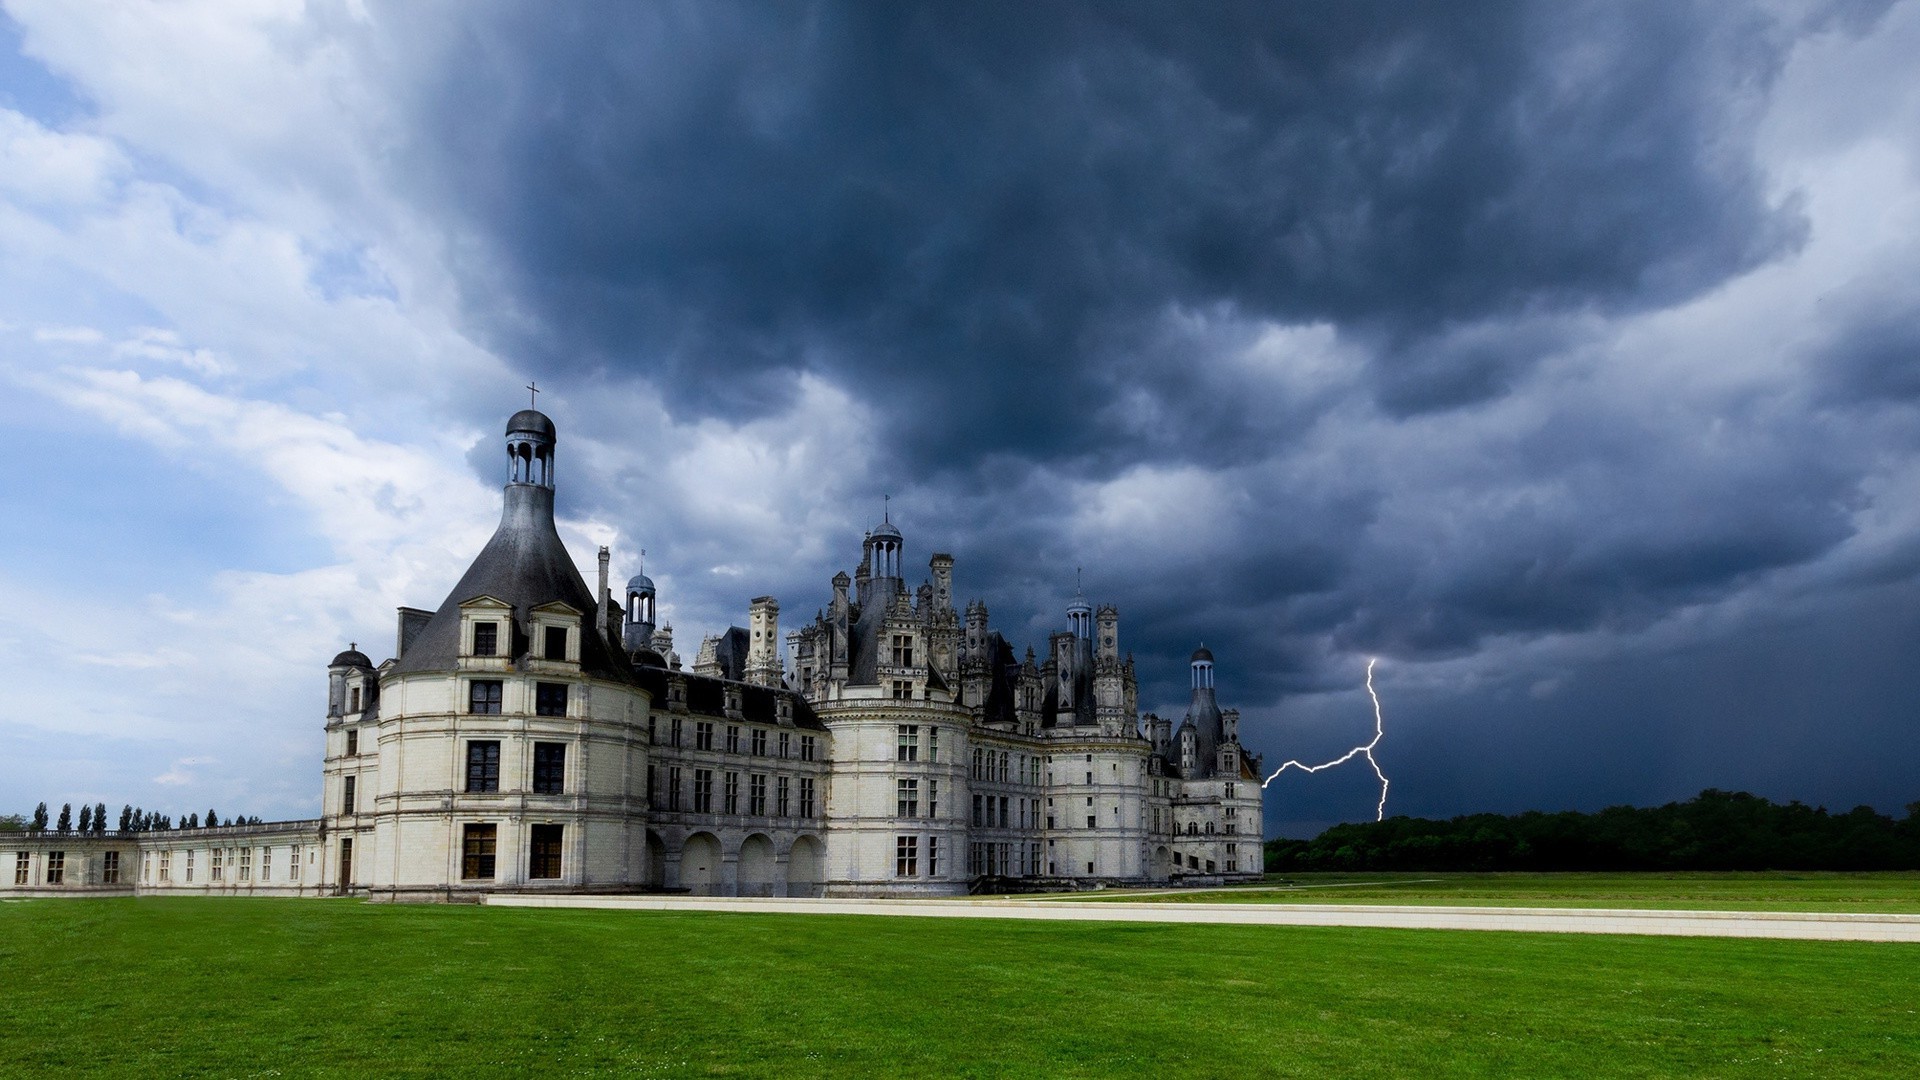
[532,735]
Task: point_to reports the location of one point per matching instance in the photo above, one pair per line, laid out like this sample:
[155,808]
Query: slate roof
[707,696]
[525,565]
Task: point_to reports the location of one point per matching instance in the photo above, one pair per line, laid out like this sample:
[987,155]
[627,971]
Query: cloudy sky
[1564,356]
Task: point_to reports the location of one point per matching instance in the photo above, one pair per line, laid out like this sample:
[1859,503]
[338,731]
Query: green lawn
[230,987]
[1876,893]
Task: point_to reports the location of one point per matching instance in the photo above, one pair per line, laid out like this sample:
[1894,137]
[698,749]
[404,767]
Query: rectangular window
[483,696]
[166,866]
[806,796]
[486,638]
[549,768]
[266,864]
[976,810]
[933,856]
[1091,820]
[908,748]
[673,787]
[550,699]
[759,742]
[483,765]
[476,852]
[1003,811]
[703,791]
[906,856]
[786,744]
[353,700]
[22,868]
[757,795]
[703,735]
[806,748]
[218,871]
[189,865]
[246,864]
[146,869]
[733,738]
[907,798]
[933,744]
[677,729]
[353,743]
[975,770]
[903,650]
[57,867]
[293,864]
[543,852]
[731,792]
[110,868]
[933,798]
[902,691]
[781,800]
[556,643]
[346,795]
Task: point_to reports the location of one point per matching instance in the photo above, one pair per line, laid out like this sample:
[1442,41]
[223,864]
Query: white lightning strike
[1380,812]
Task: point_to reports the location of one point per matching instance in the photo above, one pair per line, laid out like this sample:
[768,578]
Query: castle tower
[1203,729]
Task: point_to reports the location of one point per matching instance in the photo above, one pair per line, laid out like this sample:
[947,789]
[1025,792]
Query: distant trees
[1716,830]
[94,822]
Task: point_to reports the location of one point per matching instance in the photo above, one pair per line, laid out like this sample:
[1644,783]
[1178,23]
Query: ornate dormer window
[486,633]
[555,633]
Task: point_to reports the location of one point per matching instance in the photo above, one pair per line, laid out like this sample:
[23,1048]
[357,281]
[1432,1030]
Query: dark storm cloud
[1047,247]
[975,212]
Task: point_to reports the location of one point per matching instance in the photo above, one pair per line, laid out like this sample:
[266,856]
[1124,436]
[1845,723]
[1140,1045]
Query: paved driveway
[1752,924]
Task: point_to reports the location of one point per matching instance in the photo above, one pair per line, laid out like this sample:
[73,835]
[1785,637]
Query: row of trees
[93,820]
[1716,830]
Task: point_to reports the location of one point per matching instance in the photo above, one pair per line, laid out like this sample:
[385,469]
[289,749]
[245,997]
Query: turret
[350,662]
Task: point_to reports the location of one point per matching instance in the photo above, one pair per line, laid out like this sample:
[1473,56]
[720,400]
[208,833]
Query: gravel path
[1750,924]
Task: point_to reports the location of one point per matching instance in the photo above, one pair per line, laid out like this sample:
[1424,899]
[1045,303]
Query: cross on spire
[886,508]
[533,389]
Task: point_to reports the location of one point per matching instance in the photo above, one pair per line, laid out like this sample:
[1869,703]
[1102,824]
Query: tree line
[93,820]
[1715,830]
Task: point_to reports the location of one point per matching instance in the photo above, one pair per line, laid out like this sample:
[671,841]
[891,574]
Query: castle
[531,735]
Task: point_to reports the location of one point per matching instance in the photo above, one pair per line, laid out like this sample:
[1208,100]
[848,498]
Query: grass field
[1868,893]
[231,987]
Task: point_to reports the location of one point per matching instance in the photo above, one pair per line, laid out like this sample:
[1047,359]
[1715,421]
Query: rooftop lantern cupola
[640,614]
[884,547]
[1202,669]
[1080,617]
[530,439]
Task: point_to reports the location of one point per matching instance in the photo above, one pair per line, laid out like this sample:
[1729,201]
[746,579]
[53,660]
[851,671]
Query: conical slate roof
[525,565]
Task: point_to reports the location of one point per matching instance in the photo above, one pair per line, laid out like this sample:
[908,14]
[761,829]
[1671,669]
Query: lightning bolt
[1379,812]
